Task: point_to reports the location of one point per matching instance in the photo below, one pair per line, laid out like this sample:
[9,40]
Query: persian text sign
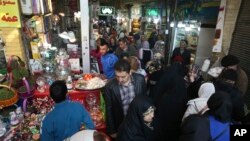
[9,14]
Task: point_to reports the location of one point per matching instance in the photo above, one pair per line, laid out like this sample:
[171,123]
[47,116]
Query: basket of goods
[8,96]
[90,82]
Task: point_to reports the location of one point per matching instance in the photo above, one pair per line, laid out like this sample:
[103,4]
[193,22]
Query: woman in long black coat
[137,125]
[171,100]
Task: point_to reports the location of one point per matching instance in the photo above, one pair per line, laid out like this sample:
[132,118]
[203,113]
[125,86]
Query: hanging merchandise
[39,24]
[36,8]
[26,6]
[35,45]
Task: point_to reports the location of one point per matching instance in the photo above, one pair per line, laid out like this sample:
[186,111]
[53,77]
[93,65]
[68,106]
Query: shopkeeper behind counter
[66,118]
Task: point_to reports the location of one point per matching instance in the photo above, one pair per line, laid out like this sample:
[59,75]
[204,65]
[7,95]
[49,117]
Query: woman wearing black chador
[137,125]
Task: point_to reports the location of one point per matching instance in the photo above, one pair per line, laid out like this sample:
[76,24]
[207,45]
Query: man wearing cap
[231,62]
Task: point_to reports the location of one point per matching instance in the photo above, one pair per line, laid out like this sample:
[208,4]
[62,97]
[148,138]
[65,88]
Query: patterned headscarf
[153,65]
[196,70]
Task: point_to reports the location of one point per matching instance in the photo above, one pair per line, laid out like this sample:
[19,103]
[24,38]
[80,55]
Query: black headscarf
[220,106]
[165,83]
[133,127]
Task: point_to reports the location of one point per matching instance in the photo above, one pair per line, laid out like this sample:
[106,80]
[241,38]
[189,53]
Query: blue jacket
[108,62]
[65,120]
[217,129]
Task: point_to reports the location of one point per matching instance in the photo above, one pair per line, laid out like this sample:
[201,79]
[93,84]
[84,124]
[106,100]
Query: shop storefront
[49,41]
[193,24]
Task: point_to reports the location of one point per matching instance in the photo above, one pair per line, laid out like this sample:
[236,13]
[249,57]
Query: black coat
[171,105]
[165,82]
[186,55]
[152,81]
[112,96]
[193,88]
[195,128]
[133,127]
[238,112]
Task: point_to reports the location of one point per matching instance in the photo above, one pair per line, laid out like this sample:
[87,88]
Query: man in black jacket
[226,83]
[119,92]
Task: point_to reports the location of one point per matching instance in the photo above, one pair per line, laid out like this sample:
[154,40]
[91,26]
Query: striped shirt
[127,95]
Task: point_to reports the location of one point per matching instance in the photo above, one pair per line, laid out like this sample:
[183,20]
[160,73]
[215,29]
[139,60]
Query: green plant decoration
[5,94]
[19,71]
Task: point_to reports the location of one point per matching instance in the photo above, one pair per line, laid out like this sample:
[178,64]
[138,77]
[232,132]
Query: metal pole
[84,8]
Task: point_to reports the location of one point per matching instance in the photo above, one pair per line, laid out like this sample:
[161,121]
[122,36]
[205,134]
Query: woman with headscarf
[112,45]
[145,53]
[136,66]
[170,97]
[137,125]
[155,71]
[213,125]
[193,81]
[199,105]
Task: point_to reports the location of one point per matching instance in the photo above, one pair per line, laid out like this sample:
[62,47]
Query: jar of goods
[2,128]
[13,119]
[63,66]
[41,84]
[69,83]
[49,66]
[48,53]
[96,115]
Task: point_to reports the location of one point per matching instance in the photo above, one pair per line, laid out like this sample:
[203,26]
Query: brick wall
[13,42]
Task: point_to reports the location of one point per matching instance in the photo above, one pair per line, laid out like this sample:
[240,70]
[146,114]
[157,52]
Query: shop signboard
[152,12]
[106,11]
[9,14]
[217,47]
